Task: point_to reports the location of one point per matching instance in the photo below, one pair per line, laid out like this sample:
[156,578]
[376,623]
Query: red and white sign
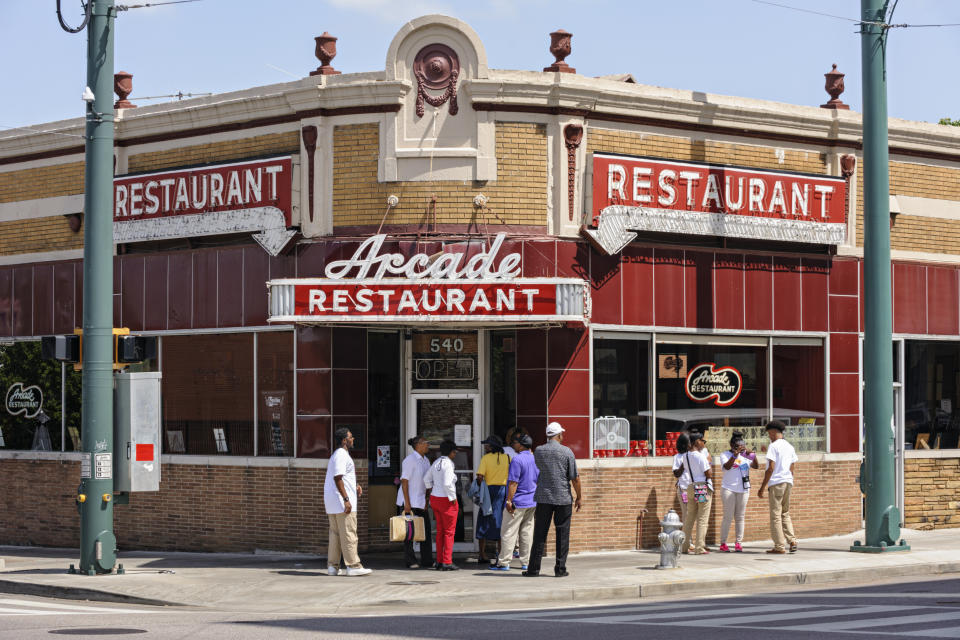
[632,194]
[213,200]
[429,300]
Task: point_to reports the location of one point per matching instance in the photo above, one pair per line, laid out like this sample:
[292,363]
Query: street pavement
[885,609]
[299,584]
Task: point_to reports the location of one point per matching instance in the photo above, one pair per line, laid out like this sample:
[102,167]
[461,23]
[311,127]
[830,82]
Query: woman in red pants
[441,480]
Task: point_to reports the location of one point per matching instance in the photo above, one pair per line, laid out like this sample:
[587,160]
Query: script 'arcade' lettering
[707,382]
[368,262]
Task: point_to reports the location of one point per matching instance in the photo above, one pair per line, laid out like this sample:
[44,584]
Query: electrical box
[136,431]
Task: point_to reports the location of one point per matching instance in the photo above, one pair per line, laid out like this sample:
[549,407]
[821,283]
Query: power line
[883,25]
[127,7]
[56,133]
[818,13]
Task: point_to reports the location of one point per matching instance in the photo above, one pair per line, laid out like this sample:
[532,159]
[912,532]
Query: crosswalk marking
[15,607]
[730,613]
[871,619]
[842,625]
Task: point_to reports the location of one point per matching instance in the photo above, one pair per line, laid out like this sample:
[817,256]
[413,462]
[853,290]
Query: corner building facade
[444,249]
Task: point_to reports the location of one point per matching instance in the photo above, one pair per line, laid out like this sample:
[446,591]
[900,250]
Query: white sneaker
[334,571]
[358,571]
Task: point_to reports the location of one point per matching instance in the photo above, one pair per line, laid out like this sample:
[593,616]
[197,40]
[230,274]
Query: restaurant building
[445,249]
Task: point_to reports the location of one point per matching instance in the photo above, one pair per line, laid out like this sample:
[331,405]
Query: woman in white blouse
[412,499]
[441,480]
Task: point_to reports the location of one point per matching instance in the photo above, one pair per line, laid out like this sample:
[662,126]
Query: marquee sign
[24,400]
[706,382]
[632,194]
[227,198]
[429,300]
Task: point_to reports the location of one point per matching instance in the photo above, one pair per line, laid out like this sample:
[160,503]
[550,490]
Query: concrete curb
[680,587]
[544,596]
[78,593]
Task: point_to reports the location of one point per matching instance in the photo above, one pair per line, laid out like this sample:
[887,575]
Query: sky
[731,47]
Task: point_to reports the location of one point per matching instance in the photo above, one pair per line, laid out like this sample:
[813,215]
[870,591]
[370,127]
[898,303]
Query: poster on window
[672,365]
[383,456]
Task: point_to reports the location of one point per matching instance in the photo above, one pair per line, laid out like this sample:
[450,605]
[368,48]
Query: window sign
[24,400]
[707,382]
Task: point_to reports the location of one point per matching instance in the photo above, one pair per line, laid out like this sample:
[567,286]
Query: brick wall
[931,493]
[681,148]
[37,235]
[199,508]
[41,182]
[273,143]
[518,196]
[240,509]
[825,502]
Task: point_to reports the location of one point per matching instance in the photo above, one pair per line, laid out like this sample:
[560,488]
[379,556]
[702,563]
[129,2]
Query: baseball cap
[553,429]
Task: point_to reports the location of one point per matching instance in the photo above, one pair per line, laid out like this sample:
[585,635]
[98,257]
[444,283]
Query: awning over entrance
[429,301]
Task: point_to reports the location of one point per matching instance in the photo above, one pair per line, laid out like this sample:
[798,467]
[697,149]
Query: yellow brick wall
[916,233]
[681,148]
[518,195]
[288,142]
[38,235]
[41,182]
[931,493]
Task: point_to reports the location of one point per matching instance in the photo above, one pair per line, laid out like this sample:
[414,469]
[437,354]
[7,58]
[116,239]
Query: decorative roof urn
[834,86]
[326,51]
[122,86]
[560,48]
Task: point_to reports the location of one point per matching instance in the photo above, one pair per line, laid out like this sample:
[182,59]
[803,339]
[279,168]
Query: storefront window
[621,389]
[711,388]
[275,393]
[932,391]
[32,417]
[503,382]
[799,393]
[386,451]
[208,394]
[444,360]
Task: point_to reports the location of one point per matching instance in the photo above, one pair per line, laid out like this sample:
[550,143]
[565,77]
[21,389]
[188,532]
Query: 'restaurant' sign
[227,198]
[402,299]
[706,382]
[444,287]
[631,194]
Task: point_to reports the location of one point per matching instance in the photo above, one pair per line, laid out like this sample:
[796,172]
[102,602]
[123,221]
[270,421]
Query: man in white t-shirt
[340,495]
[779,477]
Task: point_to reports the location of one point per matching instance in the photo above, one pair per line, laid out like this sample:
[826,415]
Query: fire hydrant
[671,541]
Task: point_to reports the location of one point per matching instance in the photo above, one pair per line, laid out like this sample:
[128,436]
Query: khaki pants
[519,524]
[781,525]
[734,509]
[343,539]
[698,514]
[683,505]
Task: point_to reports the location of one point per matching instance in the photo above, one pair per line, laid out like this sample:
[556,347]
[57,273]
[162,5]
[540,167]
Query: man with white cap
[558,470]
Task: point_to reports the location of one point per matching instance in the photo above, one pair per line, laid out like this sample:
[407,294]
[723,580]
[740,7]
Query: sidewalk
[299,584]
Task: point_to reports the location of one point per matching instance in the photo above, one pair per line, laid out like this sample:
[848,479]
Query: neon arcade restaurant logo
[25,400]
[707,382]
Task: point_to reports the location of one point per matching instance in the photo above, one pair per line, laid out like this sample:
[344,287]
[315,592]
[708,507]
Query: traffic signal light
[127,349]
[63,348]
[130,349]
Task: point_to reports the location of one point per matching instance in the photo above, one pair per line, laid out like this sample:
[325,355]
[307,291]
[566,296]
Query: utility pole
[878,480]
[98,545]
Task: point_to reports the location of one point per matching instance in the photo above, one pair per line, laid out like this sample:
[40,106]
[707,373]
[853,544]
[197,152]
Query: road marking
[585,611]
[14,607]
[826,611]
[730,612]
[949,632]
[842,625]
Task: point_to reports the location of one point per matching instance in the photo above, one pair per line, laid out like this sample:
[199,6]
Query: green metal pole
[879,479]
[98,551]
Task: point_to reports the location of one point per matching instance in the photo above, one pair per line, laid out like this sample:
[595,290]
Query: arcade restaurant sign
[210,200]
[449,286]
[631,195]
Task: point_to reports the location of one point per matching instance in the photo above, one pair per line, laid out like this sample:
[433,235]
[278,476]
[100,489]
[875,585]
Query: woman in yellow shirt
[493,469]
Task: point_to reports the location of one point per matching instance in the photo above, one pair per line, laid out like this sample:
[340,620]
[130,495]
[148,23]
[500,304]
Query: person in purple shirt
[520,506]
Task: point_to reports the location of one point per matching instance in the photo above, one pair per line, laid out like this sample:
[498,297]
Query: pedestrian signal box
[136,431]
[127,348]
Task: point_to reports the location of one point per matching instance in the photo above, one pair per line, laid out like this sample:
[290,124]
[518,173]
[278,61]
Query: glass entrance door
[451,416]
